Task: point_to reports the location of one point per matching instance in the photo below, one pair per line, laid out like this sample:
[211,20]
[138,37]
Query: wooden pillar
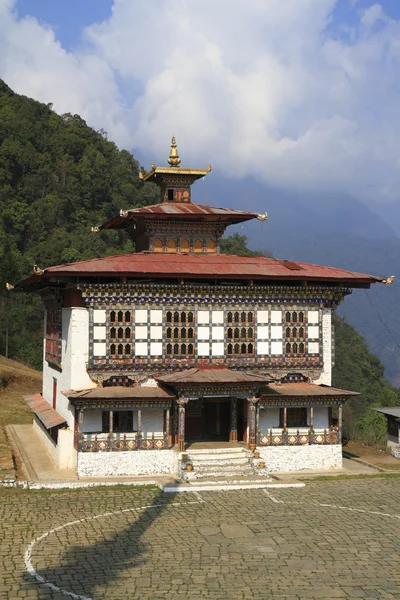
[139,427]
[340,423]
[252,412]
[110,422]
[175,419]
[181,424]
[233,427]
[168,435]
[80,440]
[284,417]
[311,417]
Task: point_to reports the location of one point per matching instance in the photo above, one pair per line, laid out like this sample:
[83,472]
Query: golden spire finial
[174,160]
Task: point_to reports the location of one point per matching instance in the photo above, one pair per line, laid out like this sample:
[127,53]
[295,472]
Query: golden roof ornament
[37,270]
[388,280]
[174,160]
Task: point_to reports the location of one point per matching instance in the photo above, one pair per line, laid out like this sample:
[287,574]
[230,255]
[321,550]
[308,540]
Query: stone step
[220,466]
[215,451]
[202,462]
[221,473]
[232,480]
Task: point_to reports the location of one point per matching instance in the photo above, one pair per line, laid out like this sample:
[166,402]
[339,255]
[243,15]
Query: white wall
[321,417]
[92,421]
[326,375]
[75,352]
[130,463]
[152,421]
[63,453]
[269,419]
[301,458]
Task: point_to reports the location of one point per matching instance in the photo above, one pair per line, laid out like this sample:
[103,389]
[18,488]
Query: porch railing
[118,442]
[301,436]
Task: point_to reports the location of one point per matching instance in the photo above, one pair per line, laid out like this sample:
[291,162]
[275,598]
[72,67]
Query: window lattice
[53,336]
[180,333]
[295,333]
[120,333]
[240,333]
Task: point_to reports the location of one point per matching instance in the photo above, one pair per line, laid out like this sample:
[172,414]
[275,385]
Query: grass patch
[4,491]
[358,476]
[16,379]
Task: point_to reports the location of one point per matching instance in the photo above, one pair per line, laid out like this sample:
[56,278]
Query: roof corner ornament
[140,175]
[388,280]
[37,270]
[262,216]
[208,168]
[9,287]
[153,165]
[95,229]
[174,160]
[123,213]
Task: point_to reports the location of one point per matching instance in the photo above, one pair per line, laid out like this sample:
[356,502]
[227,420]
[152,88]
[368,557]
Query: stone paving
[331,539]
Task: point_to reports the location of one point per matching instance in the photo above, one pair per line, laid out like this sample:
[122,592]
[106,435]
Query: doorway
[216,419]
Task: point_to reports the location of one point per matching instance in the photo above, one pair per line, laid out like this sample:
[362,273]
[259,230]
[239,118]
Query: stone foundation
[127,464]
[301,458]
[396,451]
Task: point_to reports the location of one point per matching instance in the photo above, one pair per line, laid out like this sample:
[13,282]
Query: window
[295,417]
[180,332]
[184,245]
[158,245]
[211,246]
[120,336]
[53,346]
[241,333]
[172,246]
[294,317]
[197,246]
[170,195]
[295,336]
[122,421]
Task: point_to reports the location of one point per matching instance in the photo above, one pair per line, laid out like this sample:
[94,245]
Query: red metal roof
[200,266]
[42,409]
[121,392]
[199,376]
[303,389]
[178,210]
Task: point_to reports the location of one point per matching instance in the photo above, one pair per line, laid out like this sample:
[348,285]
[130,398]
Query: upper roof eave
[197,173]
[176,211]
[196,267]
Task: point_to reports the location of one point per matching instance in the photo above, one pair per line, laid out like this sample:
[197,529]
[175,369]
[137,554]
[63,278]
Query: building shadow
[83,569]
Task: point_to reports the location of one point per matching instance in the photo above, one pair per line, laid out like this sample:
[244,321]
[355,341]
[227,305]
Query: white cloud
[255,88]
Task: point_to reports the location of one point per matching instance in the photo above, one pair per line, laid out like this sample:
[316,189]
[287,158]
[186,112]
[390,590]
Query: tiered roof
[177,207]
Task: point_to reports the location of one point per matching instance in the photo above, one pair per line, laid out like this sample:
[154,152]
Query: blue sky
[299,93]
[70,17]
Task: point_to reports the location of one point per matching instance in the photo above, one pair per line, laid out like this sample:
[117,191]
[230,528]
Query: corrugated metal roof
[119,392]
[209,375]
[303,389]
[42,409]
[218,266]
[178,210]
[391,411]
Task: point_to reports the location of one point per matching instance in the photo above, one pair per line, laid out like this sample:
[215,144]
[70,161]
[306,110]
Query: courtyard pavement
[330,539]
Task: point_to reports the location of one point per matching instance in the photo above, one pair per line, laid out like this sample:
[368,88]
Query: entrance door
[216,419]
[194,420]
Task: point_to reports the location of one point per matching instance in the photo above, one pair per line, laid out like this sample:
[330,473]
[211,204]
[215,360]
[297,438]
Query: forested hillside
[59,177]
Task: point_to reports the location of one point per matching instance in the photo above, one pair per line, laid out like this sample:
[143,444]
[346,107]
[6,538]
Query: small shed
[392,414]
